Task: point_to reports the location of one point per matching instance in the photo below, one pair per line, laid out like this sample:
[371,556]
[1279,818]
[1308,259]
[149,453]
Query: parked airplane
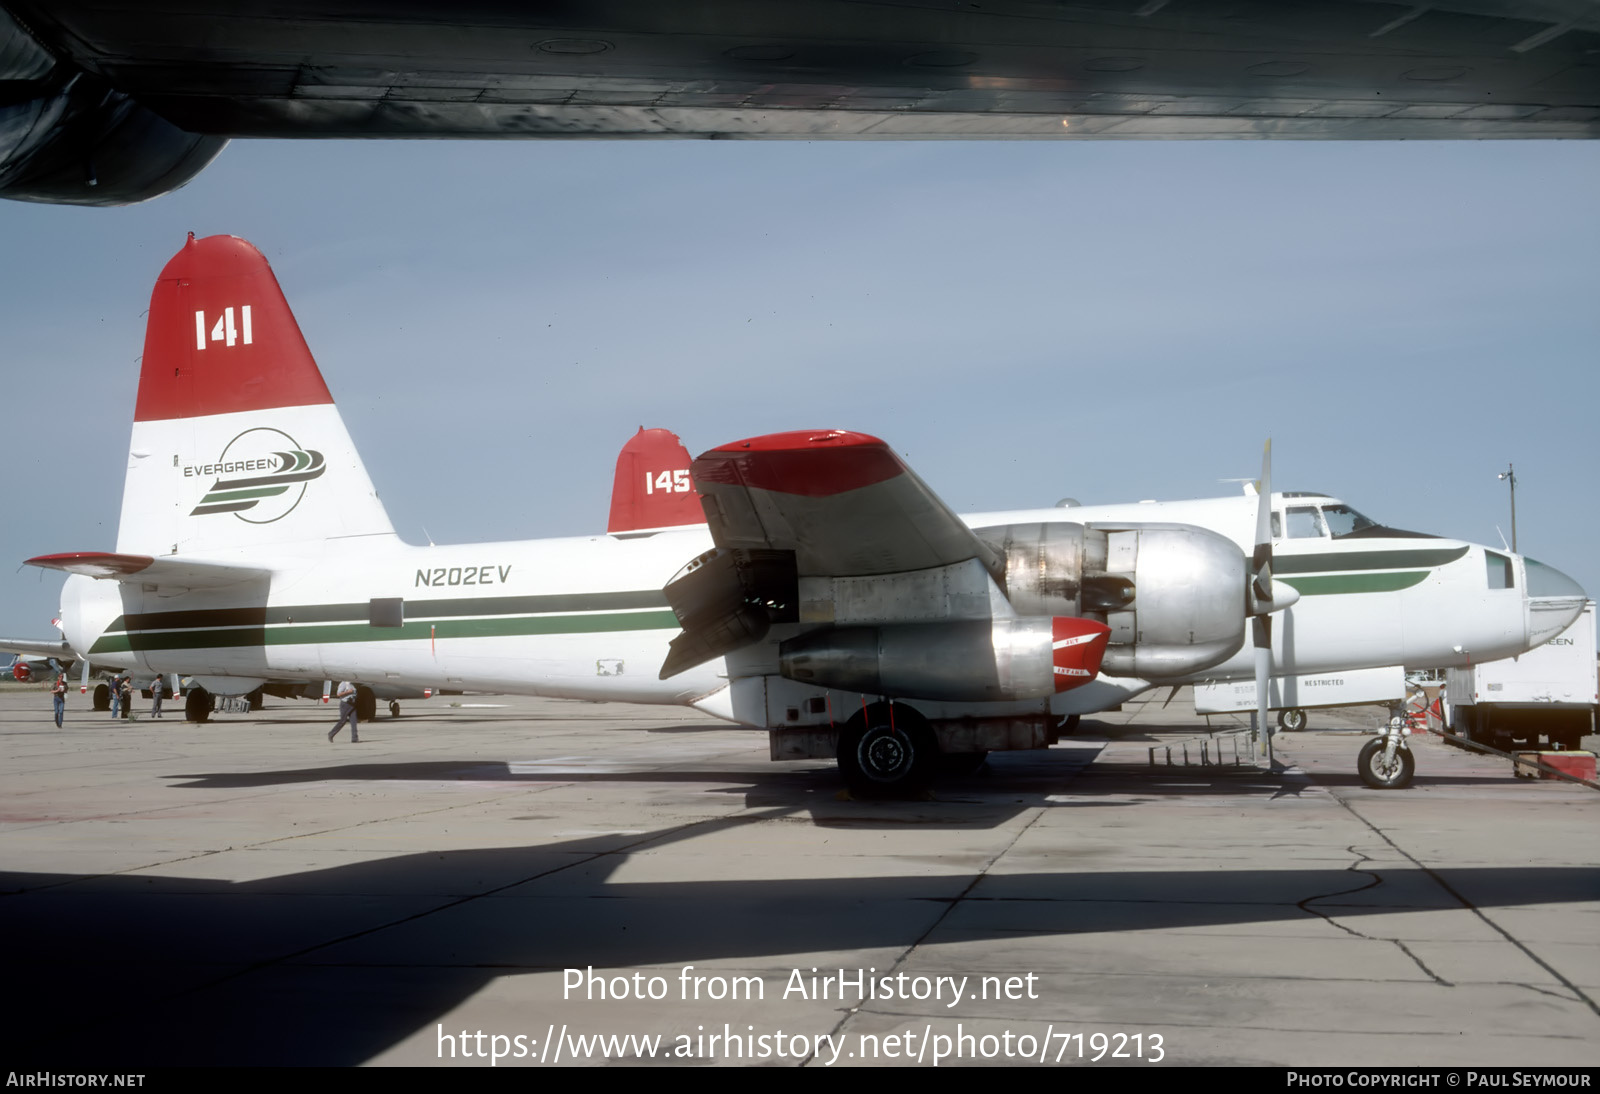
[831,597]
[26,670]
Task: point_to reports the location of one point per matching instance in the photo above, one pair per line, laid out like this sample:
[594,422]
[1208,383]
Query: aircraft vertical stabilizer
[653,488]
[236,441]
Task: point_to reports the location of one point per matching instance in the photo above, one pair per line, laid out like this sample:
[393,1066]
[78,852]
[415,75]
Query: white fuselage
[585,618]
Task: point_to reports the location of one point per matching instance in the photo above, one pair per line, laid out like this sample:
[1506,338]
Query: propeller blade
[1261,595]
[1261,625]
[1261,558]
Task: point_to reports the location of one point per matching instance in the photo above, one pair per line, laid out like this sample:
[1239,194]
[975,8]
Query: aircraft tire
[1376,774]
[1292,721]
[102,697]
[256,698]
[197,705]
[1069,724]
[394,709]
[366,704]
[879,758]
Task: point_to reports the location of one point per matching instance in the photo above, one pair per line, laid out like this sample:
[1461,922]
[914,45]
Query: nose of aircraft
[1554,601]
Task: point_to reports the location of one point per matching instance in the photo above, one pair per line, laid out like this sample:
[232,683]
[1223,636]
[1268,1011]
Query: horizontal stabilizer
[164,572]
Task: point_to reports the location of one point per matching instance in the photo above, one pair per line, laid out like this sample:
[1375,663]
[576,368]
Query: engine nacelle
[22,672]
[67,138]
[982,660]
[1172,595]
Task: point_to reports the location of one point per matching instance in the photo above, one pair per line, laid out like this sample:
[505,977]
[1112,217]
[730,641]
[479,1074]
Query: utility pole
[1510,475]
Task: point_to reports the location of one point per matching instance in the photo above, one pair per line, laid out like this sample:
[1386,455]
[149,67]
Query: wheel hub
[884,755]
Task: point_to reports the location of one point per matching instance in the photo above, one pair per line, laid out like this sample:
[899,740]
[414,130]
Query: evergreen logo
[262,472]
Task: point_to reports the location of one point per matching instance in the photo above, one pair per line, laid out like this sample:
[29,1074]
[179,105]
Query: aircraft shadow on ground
[1028,779]
[333,966]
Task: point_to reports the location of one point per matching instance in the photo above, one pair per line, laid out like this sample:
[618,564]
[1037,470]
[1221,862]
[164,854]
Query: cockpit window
[1500,574]
[1548,581]
[1305,522]
[1343,520]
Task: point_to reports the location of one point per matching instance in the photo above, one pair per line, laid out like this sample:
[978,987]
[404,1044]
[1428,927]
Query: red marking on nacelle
[811,463]
[21,672]
[1078,645]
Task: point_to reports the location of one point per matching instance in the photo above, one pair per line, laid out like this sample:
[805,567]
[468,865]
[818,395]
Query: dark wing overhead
[106,97]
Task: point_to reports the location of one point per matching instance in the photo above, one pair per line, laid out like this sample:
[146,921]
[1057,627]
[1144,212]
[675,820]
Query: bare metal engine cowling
[966,660]
[1173,595]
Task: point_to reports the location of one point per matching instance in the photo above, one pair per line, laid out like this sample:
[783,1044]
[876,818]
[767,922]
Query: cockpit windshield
[1343,520]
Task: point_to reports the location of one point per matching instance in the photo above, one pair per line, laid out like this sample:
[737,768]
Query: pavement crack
[1578,993]
[1373,880]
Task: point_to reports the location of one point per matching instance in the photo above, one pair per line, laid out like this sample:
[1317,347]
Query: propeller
[1265,597]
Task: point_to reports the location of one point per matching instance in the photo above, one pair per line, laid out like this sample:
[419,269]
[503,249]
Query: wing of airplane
[113,101]
[845,503]
[892,592]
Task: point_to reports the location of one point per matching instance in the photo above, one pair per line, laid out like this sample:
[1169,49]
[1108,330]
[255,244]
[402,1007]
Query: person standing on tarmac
[127,696]
[58,697]
[116,696]
[347,712]
[155,698]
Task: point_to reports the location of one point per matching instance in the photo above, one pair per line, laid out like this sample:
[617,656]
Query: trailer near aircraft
[830,596]
[1551,692]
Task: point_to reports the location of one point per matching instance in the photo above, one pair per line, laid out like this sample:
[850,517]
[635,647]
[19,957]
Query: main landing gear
[887,750]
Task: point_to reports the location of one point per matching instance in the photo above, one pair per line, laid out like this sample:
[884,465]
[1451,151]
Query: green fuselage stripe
[1347,561]
[1326,584]
[326,634]
[259,615]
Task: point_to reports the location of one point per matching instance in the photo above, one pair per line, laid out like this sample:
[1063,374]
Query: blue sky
[1110,321]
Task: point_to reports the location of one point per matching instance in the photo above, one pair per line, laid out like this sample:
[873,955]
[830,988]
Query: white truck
[1550,692]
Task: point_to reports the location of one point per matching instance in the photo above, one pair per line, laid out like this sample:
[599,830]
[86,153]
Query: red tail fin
[221,338]
[652,488]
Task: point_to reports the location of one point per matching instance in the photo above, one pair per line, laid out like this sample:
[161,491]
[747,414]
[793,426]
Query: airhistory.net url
[911,1046]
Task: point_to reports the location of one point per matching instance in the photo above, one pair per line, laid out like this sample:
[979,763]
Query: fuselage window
[1305,522]
[1500,574]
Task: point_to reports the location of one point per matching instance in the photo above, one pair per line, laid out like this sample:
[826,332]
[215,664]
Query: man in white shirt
[347,712]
